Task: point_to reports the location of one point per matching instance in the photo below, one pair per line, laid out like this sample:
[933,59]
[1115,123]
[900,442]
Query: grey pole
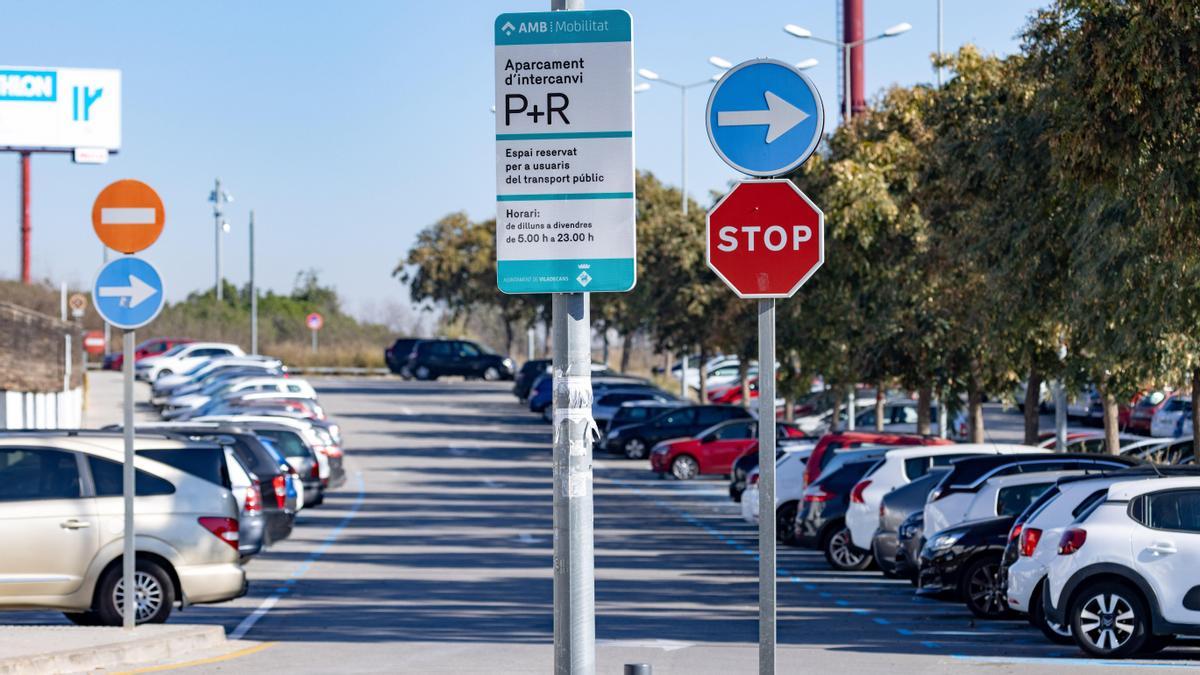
[127,560]
[314,341]
[1060,417]
[253,294]
[939,46]
[766,487]
[217,236]
[851,409]
[574,431]
[531,339]
[943,420]
[683,373]
[683,147]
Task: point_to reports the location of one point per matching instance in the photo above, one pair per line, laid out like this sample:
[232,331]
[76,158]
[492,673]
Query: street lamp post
[804,33]
[683,89]
[220,225]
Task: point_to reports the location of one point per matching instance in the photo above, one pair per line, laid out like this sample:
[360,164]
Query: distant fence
[41,374]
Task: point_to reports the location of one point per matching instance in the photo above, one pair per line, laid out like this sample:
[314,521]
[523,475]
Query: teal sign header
[547,28]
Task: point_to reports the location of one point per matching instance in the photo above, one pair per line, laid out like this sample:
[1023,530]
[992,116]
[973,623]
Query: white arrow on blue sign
[765,117]
[128,292]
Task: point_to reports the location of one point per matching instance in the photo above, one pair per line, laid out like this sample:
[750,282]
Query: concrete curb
[70,649]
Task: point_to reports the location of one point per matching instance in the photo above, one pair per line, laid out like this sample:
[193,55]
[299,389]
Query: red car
[732,393]
[830,443]
[1148,403]
[712,452]
[151,347]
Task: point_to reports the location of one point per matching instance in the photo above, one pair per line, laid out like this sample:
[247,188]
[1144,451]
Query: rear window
[203,463]
[915,467]
[1089,502]
[288,443]
[108,479]
[1012,500]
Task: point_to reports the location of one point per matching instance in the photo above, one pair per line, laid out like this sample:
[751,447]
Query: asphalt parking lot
[435,557]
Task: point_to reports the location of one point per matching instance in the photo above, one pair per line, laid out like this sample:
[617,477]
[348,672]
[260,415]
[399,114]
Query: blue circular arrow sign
[128,292]
[765,117]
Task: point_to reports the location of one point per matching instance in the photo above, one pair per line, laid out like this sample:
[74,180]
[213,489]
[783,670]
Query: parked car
[895,508]
[898,467]
[205,369]
[297,442]
[431,359]
[609,400]
[179,406]
[636,412]
[963,562]
[712,451]
[719,369]
[957,497]
[1148,404]
[830,444]
[795,449]
[182,358]
[636,440]
[396,356]
[541,394]
[145,349]
[529,372]
[1124,576]
[1166,419]
[56,490]
[821,524]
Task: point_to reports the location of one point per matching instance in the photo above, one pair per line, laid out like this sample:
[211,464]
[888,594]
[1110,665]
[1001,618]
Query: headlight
[508,363]
[659,450]
[612,434]
[944,541]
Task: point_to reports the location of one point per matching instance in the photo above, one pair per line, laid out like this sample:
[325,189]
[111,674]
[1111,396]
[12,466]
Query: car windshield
[174,350]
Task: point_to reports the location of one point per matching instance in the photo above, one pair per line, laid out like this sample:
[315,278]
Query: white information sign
[565,209]
[60,109]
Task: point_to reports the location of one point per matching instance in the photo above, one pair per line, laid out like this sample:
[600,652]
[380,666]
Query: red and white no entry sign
[314,321]
[765,238]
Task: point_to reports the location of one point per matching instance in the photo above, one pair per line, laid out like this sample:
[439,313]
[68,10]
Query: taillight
[856,495]
[1014,532]
[225,529]
[253,504]
[881,509]
[1029,540]
[279,483]
[754,478]
[315,472]
[818,495]
[1072,540]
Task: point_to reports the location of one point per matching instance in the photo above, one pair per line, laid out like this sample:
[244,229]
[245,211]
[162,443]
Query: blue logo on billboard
[28,85]
[82,99]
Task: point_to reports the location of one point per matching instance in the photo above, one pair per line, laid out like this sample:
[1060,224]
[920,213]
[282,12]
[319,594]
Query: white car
[818,424]
[789,478]
[1165,421]
[1125,576]
[177,406]
[900,467]
[1037,544]
[197,372]
[718,367]
[182,358]
[793,458]
[969,489]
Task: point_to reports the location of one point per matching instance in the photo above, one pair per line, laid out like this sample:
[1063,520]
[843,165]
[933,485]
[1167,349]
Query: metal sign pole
[253,294]
[766,486]
[314,341]
[130,609]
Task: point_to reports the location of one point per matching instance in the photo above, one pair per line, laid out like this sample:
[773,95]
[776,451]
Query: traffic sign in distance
[78,303]
[765,238]
[93,342]
[765,117]
[128,216]
[314,321]
[128,292]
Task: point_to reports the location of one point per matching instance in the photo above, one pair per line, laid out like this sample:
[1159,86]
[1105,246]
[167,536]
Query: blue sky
[348,127]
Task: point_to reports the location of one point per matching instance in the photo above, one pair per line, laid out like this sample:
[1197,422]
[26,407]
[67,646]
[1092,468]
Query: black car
[910,540]
[821,521]
[969,474]
[529,372]
[963,563]
[895,508]
[636,440]
[397,355]
[431,359]
[636,412]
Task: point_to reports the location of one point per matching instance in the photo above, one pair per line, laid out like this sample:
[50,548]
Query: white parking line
[301,569]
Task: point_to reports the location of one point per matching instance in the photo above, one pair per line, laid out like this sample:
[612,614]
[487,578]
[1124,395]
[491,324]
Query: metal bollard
[638,669]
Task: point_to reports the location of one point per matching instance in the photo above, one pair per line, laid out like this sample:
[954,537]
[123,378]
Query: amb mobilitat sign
[564,152]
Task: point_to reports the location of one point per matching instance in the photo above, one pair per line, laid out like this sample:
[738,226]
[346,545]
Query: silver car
[61,507]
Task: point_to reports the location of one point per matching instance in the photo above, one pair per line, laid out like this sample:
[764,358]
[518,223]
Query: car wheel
[1059,634]
[153,592]
[983,589]
[685,467]
[163,373]
[423,373]
[841,554]
[491,374]
[635,448]
[785,523]
[1109,620]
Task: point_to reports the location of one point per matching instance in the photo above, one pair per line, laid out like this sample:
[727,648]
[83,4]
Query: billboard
[59,108]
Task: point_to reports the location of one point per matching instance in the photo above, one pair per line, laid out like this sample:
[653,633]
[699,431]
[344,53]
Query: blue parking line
[1048,661]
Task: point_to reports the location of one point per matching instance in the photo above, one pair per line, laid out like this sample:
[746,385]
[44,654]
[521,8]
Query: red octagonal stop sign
[765,238]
